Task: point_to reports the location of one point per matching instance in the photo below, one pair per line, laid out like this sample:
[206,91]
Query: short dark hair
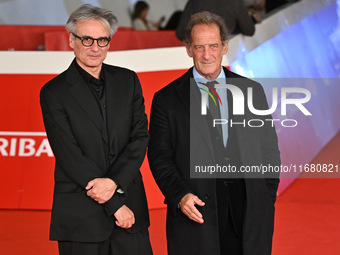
[88,12]
[207,18]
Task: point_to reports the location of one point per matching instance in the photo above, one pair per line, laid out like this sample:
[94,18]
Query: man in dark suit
[97,127]
[208,213]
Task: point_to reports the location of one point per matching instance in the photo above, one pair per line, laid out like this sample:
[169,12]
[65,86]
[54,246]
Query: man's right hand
[187,205]
[124,217]
[101,189]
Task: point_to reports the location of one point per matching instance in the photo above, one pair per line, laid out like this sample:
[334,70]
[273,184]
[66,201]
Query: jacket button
[207,196]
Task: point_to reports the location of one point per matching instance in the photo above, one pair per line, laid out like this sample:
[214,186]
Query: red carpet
[307,220]
[307,213]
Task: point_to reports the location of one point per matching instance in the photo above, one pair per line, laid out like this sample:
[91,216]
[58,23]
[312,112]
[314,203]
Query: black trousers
[120,242]
[230,241]
[231,198]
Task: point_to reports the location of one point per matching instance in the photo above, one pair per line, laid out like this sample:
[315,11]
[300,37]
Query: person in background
[139,18]
[140,21]
[233,12]
[256,8]
[97,128]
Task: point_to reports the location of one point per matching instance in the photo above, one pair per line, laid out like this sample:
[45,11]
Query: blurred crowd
[240,16]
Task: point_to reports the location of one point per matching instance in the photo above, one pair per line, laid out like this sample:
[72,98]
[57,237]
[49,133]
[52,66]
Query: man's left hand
[101,189]
[125,217]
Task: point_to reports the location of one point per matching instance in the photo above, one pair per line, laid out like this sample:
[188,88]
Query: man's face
[207,50]
[89,57]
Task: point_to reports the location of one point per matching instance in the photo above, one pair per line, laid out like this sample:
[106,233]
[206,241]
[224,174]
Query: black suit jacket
[173,143]
[78,137]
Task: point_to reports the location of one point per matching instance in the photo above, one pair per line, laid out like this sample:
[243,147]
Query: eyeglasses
[87,41]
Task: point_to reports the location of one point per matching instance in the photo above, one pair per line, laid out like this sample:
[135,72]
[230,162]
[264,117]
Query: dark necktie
[214,106]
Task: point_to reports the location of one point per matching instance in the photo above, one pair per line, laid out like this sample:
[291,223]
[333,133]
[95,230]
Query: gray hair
[207,18]
[89,12]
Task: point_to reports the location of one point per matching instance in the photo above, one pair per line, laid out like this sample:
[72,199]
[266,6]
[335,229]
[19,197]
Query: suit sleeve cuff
[174,205]
[114,203]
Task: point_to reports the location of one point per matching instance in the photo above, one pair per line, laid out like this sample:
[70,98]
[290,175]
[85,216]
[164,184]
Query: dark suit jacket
[78,137]
[171,148]
[233,12]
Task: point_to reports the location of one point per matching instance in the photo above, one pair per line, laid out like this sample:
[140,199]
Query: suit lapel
[189,94]
[236,130]
[114,100]
[82,94]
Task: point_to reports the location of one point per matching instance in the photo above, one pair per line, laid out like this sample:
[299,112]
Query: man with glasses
[96,124]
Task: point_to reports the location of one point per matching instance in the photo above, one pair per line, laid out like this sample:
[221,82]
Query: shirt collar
[221,78]
[88,77]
